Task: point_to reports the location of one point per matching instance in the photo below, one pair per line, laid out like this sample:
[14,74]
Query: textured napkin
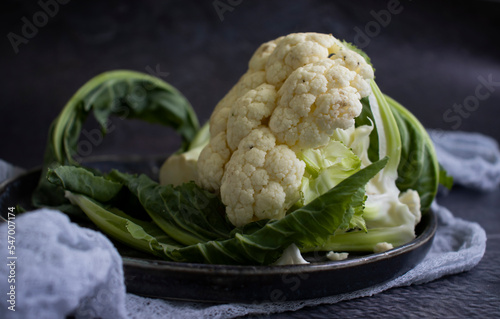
[471,158]
[63,269]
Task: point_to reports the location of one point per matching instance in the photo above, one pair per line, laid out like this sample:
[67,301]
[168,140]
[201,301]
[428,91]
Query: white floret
[211,162]
[260,57]
[353,61]
[334,256]
[291,256]
[313,102]
[258,179]
[219,117]
[248,112]
[294,51]
[382,247]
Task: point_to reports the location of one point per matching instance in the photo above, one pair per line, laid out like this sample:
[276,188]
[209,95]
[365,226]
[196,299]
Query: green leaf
[326,167]
[125,94]
[201,138]
[195,217]
[366,118]
[82,181]
[418,168]
[445,179]
[187,213]
[308,226]
[388,132]
[365,241]
[141,235]
[250,227]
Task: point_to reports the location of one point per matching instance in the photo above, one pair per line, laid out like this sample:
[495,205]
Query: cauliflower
[334,256]
[297,91]
[304,154]
[291,256]
[261,180]
[314,101]
[382,247]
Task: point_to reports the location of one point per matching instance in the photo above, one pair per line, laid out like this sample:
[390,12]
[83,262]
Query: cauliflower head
[297,91]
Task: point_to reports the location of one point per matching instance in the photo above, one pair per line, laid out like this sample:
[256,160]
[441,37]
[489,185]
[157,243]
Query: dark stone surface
[431,56]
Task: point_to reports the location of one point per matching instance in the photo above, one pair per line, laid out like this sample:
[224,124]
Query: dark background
[429,56]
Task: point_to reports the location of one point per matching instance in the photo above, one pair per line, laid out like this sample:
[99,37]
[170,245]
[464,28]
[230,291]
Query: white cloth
[471,158]
[64,269]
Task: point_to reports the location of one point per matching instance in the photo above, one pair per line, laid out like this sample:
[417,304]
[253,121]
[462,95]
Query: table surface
[431,56]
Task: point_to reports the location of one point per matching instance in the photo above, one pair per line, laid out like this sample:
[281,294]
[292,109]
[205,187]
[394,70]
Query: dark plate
[250,284]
